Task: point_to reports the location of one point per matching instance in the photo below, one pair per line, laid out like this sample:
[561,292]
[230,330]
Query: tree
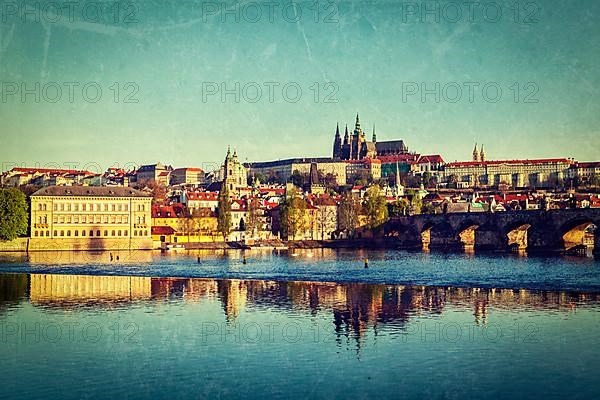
[348,213]
[398,208]
[298,179]
[375,207]
[292,215]
[13,214]
[253,217]
[224,213]
[416,203]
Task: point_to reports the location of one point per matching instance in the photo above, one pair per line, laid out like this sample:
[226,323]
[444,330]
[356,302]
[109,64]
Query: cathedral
[355,146]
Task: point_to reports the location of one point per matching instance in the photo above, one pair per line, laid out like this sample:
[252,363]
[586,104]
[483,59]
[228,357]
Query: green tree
[292,215]
[416,203]
[224,213]
[398,208]
[13,214]
[348,210]
[298,179]
[253,220]
[375,207]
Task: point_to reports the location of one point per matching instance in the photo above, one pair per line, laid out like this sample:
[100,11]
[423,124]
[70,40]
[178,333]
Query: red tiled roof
[162,230]
[398,158]
[206,196]
[364,161]
[434,158]
[589,164]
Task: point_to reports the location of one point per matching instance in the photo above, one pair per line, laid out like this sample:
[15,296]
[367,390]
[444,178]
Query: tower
[374,139]
[337,143]
[482,154]
[475,153]
[346,135]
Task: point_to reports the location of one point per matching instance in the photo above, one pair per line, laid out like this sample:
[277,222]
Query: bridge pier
[544,240]
[489,238]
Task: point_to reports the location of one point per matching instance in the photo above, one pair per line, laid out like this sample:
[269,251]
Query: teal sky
[367,51]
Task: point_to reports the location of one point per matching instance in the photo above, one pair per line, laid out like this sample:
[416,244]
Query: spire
[346,135]
[374,135]
[337,130]
[228,151]
[337,143]
[482,154]
[475,153]
[357,124]
[234,152]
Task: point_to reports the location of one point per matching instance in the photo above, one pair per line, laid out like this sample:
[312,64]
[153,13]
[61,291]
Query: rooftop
[90,191]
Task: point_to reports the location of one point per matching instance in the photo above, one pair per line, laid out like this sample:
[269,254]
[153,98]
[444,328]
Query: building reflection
[354,308]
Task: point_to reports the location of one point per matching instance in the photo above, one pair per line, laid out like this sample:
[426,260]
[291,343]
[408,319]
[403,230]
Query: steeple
[228,152]
[234,153]
[475,153]
[357,130]
[337,143]
[346,135]
[482,154]
[374,135]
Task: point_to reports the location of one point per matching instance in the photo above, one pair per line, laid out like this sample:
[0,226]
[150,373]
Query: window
[68,206]
[55,207]
[76,233]
[83,207]
[125,219]
[55,233]
[112,219]
[120,207]
[91,233]
[35,233]
[119,233]
[124,207]
[125,233]
[114,207]
[47,233]
[113,233]
[106,207]
[98,233]
[105,233]
[76,207]
[82,233]
[134,233]
[68,219]
[68,233]
[106,219]
[76,219]
[62,233]
[40,207]
[62,207]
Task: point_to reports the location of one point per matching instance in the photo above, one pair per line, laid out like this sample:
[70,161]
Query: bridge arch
[465,233]
[578,235]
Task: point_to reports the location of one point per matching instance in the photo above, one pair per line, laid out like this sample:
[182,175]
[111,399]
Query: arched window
[82,233]
[119,232]
[98,233]
[62,233]
[125,233]
[40,207]
[76,233]
[35,233]
[55,233]
[113,233]
[134,233]
[91,233]
[47,233]
[69,233]
[105,233]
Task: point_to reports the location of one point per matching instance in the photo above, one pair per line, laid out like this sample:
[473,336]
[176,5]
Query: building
[365,168]
[234,174]
[187,176]
[432,164]
[585,171]
[282,170]
[540,173]
[355,146]
[153,173]
[47,177]
[198,199]
[84,218]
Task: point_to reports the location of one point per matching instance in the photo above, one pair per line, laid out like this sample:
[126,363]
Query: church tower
[475,153]
[374,139]
[337,143]
[482,154]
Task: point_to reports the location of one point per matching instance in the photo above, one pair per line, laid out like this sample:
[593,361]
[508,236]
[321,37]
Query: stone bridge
[532,230]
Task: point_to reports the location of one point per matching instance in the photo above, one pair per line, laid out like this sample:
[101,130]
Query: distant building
[83,218]
[48,177]
[537,173]
[153,173]
[282,170]
[355,146]
[187,176]
[233,172]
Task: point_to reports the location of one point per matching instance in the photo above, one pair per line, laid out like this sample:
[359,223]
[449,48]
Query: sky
[182,80]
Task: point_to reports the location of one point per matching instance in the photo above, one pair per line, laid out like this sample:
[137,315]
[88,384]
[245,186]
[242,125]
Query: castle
[355,146]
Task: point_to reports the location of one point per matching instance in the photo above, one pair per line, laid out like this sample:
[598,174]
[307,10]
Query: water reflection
[353,307]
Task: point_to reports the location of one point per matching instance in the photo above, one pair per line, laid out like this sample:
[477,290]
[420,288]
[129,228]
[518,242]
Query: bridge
[536,231]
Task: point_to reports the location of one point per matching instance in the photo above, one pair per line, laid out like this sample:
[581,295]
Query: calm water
[442,326]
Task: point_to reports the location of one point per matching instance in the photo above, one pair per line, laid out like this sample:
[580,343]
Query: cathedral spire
[346,138]
[482,154]
[475,153]
[228,151]
[374,135]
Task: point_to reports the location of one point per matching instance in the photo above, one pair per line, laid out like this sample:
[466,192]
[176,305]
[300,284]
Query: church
[355,146]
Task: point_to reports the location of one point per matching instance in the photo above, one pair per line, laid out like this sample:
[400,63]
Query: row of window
[90,207]
[91,219]
[97,233]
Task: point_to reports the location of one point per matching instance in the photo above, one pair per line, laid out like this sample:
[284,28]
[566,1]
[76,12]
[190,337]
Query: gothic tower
[475,153]
[482,154]
[374,139]
[337,143]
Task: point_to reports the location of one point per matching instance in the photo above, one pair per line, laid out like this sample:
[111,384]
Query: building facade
[85,218]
